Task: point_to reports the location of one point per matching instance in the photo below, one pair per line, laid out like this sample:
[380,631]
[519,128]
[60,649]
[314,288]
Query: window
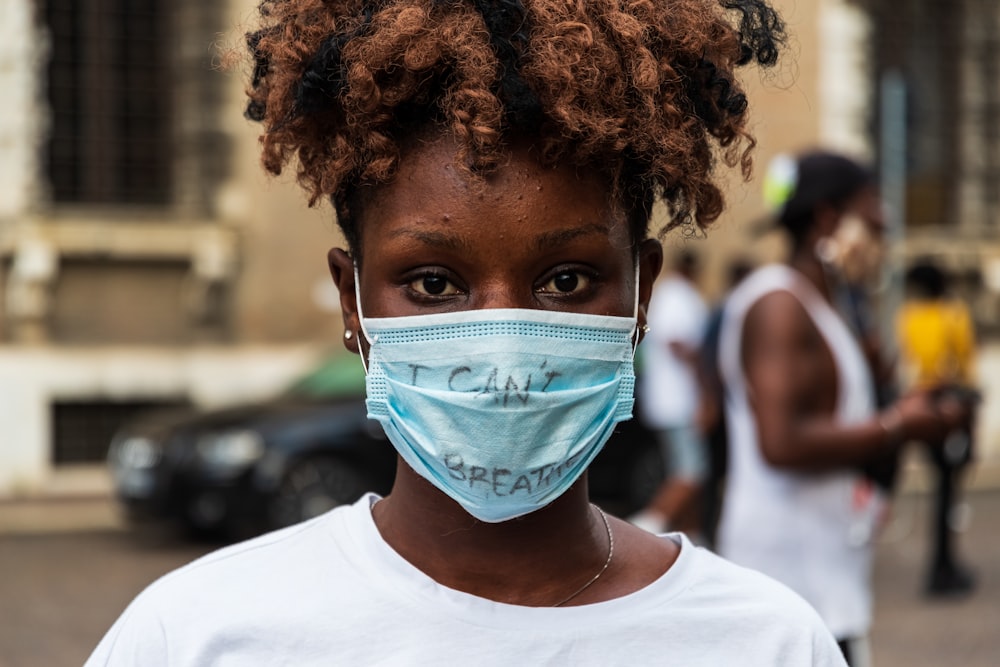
[82,430]
[109,97]
[949,54]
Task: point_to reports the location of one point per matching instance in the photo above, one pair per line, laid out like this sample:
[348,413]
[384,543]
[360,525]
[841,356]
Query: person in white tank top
[801,411]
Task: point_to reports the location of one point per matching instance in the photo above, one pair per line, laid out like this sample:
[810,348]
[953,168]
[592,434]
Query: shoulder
[747,588]
[779,303]
[223,575]
[774,284]
[762,315]
[778,317]
[762,614]
[228,566]
[712,611]
[239,586]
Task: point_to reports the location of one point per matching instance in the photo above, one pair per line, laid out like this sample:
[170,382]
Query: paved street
[60,589]
[59,592]
[911,631]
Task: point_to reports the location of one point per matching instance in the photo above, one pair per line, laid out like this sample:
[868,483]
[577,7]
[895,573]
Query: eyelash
[411,279]
[589,276]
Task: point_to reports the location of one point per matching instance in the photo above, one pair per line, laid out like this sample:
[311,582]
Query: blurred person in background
[937,346]
[712,416]
[670,392]
[801,408]
[853,257]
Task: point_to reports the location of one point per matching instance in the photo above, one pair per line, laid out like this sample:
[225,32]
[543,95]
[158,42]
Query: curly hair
[643,90]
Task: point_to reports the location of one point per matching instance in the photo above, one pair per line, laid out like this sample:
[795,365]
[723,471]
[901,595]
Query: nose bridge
[503,289]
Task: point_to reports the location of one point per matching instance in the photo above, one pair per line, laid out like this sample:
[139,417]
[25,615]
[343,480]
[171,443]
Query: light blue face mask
[502,410]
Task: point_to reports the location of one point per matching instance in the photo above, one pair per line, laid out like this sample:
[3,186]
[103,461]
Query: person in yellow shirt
[935,332]
[937,348]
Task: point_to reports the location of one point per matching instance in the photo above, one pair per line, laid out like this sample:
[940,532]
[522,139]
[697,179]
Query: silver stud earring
[645,328]
[348,335]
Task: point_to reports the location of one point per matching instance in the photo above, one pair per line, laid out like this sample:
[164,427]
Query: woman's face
[856,246]
[527,237]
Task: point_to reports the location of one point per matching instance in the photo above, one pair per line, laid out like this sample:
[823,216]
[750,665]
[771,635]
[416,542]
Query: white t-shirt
[332,592]
[669,387]
[811,531]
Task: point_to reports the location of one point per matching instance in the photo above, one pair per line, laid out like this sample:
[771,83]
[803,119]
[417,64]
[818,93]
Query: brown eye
[566,282]
[433,285]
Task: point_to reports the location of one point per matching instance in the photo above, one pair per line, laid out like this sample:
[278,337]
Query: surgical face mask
[502,410]
[853,250]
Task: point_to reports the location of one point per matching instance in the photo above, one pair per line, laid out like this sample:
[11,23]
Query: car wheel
[314,486]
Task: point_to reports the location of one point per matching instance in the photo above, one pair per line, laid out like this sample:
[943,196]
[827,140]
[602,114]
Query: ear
[650,263]
[342,272]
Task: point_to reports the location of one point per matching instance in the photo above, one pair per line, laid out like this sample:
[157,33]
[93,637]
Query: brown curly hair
[643,90]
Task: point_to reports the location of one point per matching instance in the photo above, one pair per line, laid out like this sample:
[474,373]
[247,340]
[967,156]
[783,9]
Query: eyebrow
[562,236]
[543,241]
[432,238]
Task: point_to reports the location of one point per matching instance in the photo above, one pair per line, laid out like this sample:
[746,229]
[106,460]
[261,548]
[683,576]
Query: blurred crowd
[782,411]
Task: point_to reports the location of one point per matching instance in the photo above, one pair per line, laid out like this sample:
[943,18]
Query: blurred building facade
[145,259]
[948,54]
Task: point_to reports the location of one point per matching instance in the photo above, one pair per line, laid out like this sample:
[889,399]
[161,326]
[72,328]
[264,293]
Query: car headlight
[137,451]
[230,449]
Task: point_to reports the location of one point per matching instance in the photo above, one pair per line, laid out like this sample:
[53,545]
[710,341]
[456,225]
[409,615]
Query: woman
[801,413]
[493,166]
[937,346]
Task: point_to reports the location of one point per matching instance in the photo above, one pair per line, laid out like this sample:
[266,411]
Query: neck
[535,560]
[804,261]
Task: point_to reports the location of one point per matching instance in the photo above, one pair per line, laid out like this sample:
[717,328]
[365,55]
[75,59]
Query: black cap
[796,186]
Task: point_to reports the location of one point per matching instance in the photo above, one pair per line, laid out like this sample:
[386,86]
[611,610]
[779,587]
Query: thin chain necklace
[611,553]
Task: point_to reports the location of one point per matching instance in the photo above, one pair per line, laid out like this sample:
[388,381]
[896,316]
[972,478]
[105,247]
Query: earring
[348,335]
[645,328]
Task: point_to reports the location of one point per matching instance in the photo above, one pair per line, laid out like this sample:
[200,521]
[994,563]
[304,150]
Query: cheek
[626,290]
[377,299]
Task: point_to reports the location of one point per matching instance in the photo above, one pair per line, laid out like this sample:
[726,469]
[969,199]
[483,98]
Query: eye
[433,284]
[566,282]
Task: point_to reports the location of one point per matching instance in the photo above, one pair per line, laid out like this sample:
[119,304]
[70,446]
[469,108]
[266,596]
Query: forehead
[521,198]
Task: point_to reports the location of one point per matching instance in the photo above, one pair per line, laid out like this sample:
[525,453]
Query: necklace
[611,553]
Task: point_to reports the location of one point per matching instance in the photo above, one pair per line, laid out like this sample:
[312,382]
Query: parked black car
[243,470]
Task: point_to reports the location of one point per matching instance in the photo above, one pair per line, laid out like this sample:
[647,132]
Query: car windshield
[339,375]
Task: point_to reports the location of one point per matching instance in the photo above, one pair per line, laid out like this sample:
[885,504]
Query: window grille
[82,430]
[949,54]
[108,89]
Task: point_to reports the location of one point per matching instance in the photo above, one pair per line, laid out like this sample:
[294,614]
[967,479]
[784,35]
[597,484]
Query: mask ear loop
[635,310]
[361,320]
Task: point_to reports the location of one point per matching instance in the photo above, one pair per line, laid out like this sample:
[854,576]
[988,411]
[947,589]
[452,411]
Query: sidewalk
[60,514]
[911,630]
[77,499]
